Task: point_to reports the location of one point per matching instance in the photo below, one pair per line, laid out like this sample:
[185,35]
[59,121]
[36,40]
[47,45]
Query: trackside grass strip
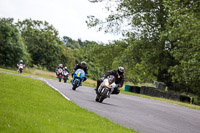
[29,105]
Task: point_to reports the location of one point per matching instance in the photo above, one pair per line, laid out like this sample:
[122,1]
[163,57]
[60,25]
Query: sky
[67,16]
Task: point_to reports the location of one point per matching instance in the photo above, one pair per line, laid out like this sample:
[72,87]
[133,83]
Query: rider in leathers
[20,62]
[65,69]
[60,66]
[82,66]
[119,79]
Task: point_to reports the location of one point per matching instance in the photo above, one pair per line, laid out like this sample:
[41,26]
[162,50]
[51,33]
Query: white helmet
[83,63]
[65,67]
[120,70]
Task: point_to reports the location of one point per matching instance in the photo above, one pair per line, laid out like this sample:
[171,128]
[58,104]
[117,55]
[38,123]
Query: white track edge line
[56,89]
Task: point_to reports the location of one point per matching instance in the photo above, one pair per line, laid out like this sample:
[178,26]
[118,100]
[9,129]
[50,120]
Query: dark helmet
[83,64]
[120,70]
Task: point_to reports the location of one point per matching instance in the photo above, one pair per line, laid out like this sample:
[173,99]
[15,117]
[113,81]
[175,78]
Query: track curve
[141,114]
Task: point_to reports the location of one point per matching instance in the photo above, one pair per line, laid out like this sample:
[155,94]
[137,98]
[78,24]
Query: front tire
[97,98]
[75,84]
[20,70]
[59,79]
[103,95]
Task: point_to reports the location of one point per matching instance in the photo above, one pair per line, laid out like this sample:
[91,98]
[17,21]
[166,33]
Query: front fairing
[79,74]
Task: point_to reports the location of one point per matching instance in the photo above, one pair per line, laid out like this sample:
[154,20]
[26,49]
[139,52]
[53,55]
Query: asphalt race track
[142,114]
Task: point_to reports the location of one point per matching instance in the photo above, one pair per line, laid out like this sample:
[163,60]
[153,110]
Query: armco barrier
[151,91]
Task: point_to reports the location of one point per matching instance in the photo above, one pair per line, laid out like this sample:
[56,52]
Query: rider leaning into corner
[82,66]
[119,76]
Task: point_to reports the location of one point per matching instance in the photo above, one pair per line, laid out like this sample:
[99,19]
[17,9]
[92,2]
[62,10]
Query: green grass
[29,105]
[33,72]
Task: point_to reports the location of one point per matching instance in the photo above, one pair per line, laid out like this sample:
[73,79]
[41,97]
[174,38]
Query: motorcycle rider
[20,62]
[82,66]
[119,76]
[65,69]
[60,66]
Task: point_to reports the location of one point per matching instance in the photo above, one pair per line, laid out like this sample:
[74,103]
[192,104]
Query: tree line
[162,43]
[162,37]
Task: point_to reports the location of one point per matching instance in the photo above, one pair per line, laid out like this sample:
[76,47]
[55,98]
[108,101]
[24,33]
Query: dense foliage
[12,48]
[163,40]
[44,45]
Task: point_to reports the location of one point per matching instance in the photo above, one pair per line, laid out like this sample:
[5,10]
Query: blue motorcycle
[78,77]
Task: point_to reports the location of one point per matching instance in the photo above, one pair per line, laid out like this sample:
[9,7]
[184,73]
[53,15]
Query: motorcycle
[59,74]
[20,68]
[105,88]
[65,77]
[78,77]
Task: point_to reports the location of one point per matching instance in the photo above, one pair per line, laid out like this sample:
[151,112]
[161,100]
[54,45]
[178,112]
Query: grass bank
[29,105]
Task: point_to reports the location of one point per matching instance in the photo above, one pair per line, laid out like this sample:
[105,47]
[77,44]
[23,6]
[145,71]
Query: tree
[146,21]
[182,34]
[43,43]
[12,48]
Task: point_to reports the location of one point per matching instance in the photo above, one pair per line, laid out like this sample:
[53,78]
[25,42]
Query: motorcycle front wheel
[59,79]
[103,95]
[75,84]
[97,98]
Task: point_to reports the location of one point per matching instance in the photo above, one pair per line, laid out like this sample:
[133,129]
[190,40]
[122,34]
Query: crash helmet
[21,61]
[65,68]
[61,65]
[83,63]
[120,70]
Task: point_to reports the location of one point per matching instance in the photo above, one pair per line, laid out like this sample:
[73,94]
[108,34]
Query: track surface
[142,114]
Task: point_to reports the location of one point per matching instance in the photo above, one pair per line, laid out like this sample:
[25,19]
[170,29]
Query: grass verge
[163,99]
[29,105]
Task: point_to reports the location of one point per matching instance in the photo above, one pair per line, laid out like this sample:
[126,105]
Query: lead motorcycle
[59,74]
[65,76]
[105,88]
[20,67]
[78,77]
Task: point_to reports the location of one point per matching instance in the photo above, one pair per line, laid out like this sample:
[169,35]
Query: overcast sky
[67,16]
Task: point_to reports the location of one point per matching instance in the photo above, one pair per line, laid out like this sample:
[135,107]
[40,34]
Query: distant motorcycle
[59,74]
[78,77]
[105,88]
[65,78]
[20,67]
